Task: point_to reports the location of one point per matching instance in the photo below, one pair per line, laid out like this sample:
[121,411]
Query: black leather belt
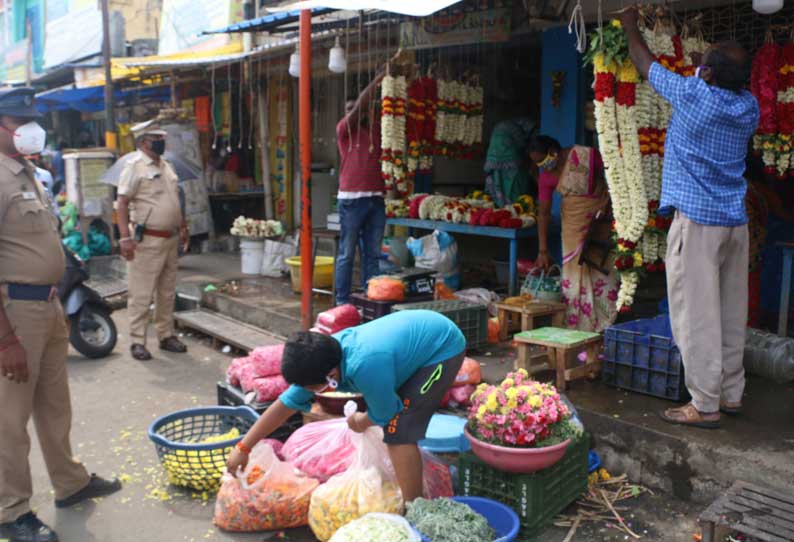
[29,292]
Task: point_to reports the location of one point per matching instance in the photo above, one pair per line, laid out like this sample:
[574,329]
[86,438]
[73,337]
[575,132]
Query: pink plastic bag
[235,368]
[247,377]
[339,318]
[269,388]
[321,449]
[277,445]
[266,360]
[461,396]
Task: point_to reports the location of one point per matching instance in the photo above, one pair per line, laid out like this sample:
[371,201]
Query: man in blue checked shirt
[707,248]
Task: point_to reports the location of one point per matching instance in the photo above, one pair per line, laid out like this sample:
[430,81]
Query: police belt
[30,292]
[165,234]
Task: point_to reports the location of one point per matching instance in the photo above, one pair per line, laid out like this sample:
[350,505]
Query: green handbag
[542,286]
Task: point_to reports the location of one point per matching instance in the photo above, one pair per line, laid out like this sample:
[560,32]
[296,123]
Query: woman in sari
[506,166]
[577,174]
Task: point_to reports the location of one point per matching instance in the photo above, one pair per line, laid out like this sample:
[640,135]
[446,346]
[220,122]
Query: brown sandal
[689,415]
[140,352]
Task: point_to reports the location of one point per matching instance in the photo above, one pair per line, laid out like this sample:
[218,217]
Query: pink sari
[589,294]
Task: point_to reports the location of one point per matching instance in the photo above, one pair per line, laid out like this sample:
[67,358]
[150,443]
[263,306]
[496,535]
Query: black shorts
[421,396]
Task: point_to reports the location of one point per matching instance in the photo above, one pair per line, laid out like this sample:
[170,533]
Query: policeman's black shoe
[140,352]
[27,528]
[172,344]
[97,487]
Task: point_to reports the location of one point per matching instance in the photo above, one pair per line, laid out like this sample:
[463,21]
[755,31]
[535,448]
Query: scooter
[92,332]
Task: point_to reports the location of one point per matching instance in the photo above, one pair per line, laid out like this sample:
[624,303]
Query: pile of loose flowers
[253,228]
[520,412]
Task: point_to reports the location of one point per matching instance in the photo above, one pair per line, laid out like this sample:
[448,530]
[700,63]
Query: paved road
[115,400]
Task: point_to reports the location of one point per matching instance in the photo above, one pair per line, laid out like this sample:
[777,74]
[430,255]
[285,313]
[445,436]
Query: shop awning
[263,24]
[414,8]
[129,67]
[91,100]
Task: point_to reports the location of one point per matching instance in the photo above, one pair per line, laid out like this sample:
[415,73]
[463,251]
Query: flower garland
[764,86]
[459,120]
[394,95]
[785,111]
[414,126]
[427,141]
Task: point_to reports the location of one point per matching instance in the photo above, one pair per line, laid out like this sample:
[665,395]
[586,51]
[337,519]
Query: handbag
[543,286]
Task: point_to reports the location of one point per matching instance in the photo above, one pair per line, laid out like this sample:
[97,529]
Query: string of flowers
[394,95]
[764,86]
[785,111]
[415,125]
[427,141]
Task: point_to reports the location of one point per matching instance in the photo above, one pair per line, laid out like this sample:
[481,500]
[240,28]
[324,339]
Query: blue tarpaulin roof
[91,100]
[265,23]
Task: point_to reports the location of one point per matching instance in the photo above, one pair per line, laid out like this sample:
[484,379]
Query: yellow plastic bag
[369,485]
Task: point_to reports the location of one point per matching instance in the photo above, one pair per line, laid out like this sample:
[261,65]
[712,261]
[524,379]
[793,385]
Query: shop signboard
[183,21]
[74,31]
[456,27]
[14,59]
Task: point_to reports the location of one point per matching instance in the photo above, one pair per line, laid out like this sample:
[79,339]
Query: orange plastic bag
[470,373]
[443,292]
[493,330]
[386,289]
[270,494]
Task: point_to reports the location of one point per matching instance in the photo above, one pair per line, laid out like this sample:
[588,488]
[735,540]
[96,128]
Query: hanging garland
[785,111]
[428,138]
[394,95]
[415,126]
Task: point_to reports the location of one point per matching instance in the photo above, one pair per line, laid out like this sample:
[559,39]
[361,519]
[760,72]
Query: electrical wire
[577,25]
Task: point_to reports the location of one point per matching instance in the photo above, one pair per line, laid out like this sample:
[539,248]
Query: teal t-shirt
[380,356]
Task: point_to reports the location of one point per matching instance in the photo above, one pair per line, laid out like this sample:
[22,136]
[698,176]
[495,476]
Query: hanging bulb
[337,62]
[767,7]
[295,63]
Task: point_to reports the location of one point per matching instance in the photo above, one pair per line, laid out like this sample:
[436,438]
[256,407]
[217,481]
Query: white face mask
[30,138]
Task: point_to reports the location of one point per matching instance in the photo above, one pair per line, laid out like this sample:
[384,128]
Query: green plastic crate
[538,497]
[470,318]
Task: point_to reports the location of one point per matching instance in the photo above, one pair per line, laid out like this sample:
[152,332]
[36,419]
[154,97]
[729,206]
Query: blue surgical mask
[698,70]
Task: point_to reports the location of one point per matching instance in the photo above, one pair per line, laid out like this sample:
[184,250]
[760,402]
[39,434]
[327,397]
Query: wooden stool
[562,345]
[509,314]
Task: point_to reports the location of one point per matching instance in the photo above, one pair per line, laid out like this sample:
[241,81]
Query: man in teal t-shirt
[402,364]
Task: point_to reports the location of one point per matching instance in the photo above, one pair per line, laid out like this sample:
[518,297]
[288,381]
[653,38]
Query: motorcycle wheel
[93,332]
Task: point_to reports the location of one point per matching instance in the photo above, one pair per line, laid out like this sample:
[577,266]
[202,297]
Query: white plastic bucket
[252,251]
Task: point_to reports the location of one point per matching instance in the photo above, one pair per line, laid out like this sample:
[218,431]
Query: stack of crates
[470,318]
[538,497]
[419,286]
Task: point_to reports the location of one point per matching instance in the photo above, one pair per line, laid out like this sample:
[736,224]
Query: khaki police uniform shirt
[30,245]
[153,191]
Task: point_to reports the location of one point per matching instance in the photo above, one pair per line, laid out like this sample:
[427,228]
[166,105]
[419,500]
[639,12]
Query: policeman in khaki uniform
[34,335]
[148,204]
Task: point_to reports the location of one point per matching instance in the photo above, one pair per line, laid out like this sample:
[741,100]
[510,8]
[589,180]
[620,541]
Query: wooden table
[785,288]
[512,235]
[562,344]
[508,314]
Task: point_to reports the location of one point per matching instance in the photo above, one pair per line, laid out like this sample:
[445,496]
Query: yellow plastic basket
[323,272]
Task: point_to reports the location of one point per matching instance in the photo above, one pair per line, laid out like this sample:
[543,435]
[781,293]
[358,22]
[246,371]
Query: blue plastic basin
[500,517]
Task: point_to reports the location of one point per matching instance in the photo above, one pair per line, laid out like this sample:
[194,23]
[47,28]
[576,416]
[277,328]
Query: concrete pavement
[114,401]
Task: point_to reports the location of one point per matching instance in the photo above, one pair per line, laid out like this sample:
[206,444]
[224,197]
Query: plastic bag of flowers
[520,412]
[269,494]
[377,527]
[369,485]
[322,449]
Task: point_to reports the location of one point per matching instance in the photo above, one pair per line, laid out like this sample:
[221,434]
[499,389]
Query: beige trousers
[707,269]
[44,333]
[152,277]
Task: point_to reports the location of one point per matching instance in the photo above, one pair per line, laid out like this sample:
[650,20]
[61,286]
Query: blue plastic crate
[642,356]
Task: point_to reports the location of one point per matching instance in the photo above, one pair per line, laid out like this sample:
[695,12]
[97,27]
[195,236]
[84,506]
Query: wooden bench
[751,510]
[511,316]
[563,346]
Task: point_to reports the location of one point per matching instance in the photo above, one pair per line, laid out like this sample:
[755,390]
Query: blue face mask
[699,69]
